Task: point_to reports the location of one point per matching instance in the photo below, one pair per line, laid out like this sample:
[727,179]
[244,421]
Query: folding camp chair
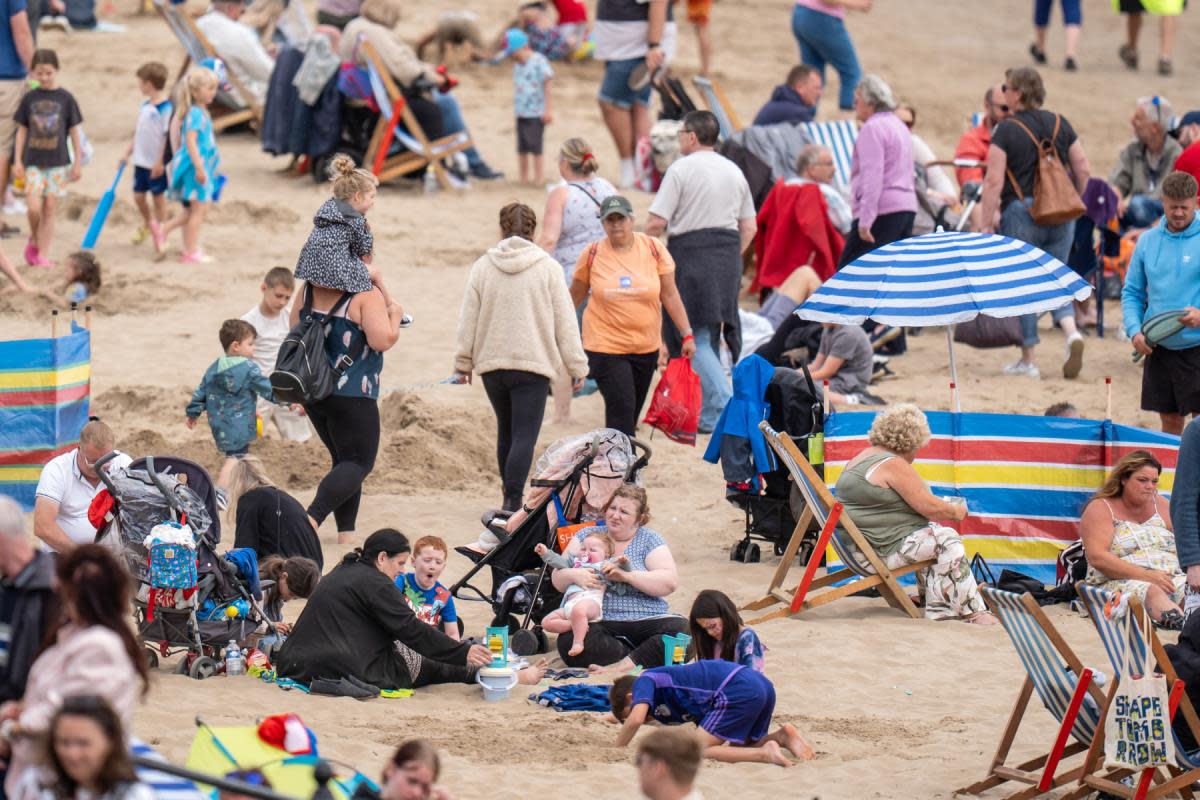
[864,568]
[1063,685]
[398,123]
[242,107]
[1116,638]
[719,105]
[839,136]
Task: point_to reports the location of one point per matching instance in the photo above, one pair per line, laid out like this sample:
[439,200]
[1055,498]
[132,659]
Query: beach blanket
[574,697]
[708,272]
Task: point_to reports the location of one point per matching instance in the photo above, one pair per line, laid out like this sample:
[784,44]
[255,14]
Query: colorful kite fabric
[1025,479]
[45,386]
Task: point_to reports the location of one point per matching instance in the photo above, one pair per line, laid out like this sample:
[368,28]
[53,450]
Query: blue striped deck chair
[839,136]
[1061,682]
[718,103]
[404,128]
[164,785]
[1116,638]
[864,569]
[976,120]
[241,106]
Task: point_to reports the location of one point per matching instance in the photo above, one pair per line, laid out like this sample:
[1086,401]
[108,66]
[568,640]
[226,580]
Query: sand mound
[426,445]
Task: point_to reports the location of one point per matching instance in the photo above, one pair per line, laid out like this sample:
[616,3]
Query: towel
[708,272]
[574,697]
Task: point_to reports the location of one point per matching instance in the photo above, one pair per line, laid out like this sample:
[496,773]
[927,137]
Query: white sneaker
[1021,368]
[17,206]
[1074,359]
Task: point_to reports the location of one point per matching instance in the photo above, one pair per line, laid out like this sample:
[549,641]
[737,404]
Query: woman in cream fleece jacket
[516,330]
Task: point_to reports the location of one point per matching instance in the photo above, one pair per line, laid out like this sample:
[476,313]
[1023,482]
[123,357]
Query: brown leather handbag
[1055,200]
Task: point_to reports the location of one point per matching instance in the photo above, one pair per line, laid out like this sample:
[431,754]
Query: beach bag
[1137,730]
[675,407]
[303,373]
[172,557]
[1055,200]
[1072,564]
[986,332]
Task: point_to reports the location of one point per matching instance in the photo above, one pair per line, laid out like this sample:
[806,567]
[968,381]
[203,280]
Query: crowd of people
[586,297]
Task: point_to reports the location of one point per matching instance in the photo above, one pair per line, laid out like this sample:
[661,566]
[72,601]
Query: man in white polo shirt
[66,488]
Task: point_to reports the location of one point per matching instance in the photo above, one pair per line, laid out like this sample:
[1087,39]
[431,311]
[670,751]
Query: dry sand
[895,708]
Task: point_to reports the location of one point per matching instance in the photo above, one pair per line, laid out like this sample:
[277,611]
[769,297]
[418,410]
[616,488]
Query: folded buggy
[187,598]
[574,480]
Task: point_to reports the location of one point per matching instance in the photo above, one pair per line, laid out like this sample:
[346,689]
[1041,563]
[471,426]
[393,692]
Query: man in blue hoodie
[793,101]
[1164,275]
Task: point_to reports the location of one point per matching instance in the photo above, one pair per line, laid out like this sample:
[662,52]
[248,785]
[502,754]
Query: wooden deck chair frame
[1040,774]
[431,151]
[819,504]
[1178,780]
[182,25]
[718,103]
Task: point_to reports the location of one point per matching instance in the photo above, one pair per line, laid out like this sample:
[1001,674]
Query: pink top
[881,174]
[824,8]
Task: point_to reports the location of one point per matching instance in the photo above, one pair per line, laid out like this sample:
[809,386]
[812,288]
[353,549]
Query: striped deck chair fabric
[1116,638]
[718,104]
[165,786]
[441,148]
[839,136]
[1063,685]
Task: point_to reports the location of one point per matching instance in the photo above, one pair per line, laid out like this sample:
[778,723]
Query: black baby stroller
[765,491]
[574,480]
[196,620]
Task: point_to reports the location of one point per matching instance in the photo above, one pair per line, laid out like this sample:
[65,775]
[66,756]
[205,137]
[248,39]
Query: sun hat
[615,204]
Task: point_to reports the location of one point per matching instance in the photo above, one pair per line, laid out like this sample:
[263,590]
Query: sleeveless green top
[882,515]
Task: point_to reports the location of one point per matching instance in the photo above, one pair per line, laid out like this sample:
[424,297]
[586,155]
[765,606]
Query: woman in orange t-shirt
[631,278]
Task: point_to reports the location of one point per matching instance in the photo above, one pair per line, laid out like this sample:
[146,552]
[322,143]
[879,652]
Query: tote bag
[1137,730]
[675,407]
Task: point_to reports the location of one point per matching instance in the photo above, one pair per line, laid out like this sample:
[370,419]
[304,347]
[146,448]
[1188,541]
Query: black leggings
[425,671]
[624,382]
[608,641]
[519,400]
[349,428]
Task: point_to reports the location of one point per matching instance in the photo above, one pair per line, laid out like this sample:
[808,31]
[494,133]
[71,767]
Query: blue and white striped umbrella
[945,278]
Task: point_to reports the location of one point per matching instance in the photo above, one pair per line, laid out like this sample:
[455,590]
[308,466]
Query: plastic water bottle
[234,665]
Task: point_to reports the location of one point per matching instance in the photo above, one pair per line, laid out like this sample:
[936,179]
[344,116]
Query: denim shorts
[143,183]
[614,89]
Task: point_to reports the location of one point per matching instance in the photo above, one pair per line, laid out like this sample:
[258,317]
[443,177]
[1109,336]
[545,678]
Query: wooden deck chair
[394,112]
[1116,638]
[1063,685]
[719,105]
[864,569]
[839,136]
[242,107]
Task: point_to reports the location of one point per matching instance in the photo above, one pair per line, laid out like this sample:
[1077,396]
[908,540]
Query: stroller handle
[101,462]
[642,460]
[167,494]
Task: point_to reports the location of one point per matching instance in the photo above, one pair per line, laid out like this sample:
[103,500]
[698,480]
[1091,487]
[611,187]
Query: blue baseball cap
[1190,118]
[514,40]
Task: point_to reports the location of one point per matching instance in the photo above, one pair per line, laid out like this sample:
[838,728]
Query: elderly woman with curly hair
[896,512]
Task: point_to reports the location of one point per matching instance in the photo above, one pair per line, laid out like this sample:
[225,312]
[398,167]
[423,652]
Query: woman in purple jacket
[883,197]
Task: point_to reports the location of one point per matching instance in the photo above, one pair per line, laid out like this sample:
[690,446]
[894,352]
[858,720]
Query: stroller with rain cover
[574,480]
[196,620]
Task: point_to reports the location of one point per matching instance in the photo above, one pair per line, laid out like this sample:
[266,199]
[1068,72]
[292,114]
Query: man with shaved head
[66,487]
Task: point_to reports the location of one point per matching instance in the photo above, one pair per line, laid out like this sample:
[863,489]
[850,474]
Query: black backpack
[303,373]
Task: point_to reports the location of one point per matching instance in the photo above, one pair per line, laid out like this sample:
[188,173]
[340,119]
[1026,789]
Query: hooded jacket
[517,314]
[332,256]
[785,105]
[30,594]
[226,393]
[1163,275]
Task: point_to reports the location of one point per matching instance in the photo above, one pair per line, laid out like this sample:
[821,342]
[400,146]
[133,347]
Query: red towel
[794,226]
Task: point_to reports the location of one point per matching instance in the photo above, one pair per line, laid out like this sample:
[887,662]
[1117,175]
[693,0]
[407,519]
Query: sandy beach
[895,708]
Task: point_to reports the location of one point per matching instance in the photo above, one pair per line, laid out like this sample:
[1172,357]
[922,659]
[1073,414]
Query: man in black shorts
[1164,276]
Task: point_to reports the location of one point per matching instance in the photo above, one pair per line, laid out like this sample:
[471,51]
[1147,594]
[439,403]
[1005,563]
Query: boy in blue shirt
[730,705]
[531,101]
[430,600]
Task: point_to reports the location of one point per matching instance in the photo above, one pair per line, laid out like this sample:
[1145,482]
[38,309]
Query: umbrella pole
[953,370]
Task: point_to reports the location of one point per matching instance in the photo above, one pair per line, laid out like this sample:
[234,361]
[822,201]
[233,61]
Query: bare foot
[576,649]
[796,743]
[534,674]
[981,618]
[773,754]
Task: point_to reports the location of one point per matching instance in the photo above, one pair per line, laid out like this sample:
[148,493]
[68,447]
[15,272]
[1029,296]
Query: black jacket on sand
[350,627]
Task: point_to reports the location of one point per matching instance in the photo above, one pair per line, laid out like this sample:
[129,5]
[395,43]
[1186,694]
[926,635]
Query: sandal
[1170,620]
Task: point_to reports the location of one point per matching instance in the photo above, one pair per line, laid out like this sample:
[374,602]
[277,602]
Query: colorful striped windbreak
[1025,479]
[44,389]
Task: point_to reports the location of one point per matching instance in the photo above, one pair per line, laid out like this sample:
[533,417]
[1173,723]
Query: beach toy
[101,215]
[497,682]
[497,642]
[1161,326]
[231,611]
[258,426]
[220,187]
[675,648]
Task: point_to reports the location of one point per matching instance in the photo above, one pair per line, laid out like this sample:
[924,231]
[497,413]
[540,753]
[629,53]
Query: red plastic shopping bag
[675,406]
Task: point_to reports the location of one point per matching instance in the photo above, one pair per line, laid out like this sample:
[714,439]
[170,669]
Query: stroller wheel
[738,551]
[152,658]
[753,554]
[524,642]
[779,548]
[184,665]
[203,667]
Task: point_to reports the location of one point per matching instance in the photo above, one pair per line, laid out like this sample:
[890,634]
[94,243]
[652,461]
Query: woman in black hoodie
[358,625]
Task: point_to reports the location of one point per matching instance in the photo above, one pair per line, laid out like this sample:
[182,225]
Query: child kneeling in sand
[580,606]
[730,704]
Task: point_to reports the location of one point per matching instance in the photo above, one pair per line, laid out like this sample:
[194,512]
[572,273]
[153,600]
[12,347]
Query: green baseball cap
[615,204]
